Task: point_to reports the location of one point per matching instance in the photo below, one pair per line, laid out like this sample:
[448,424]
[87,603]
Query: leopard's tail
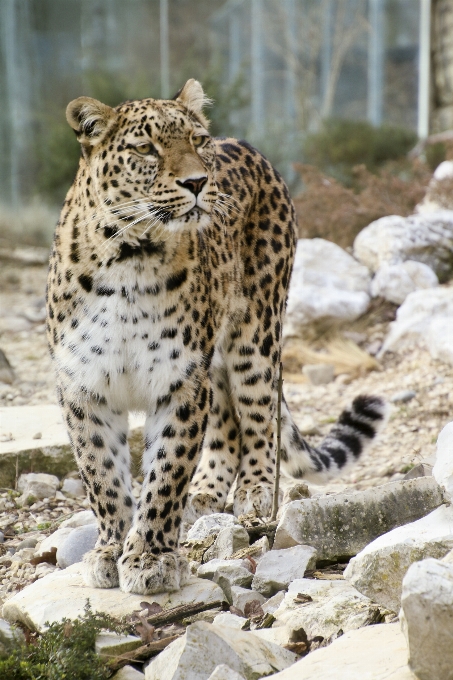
[354,431]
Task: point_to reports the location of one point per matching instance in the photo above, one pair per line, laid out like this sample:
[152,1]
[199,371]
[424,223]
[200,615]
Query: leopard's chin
[194,218]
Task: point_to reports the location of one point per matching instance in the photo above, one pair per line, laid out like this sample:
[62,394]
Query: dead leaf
[49,556]
[253,609]
[151,608]
[301,598]
[67,629]
[299,648]
[145,630]
[252,563]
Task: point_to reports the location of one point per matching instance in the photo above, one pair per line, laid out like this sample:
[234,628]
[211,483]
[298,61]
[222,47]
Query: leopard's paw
[100,568]
[146,573]
[255,500]
[199,504]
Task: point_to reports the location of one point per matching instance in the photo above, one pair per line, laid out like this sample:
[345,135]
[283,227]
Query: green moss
[65,651]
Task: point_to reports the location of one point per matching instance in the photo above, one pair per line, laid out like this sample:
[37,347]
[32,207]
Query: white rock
[424,318]
[9,635]
[431,202]
[394,282]
[371,653]
[240,597]
[73,488]
[342,524]
[227,573]
[38,484]
[427,618]
[111,644]
[204,646]
[273,603]
[335,606]
[277,568]
[443,467]
[319,374]
[426,238]
[209,525]
[55,540]
[64,594]
[326,283]
[229,620]
[378,570]
[77,543]
[230,539]
[281,635]
[224,672]
[128,673]
[79,519]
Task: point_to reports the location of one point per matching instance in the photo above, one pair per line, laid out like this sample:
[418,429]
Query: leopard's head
[149,165]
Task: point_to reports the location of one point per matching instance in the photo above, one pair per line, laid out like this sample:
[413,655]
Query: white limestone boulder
[204,646]
[426,238]
[229,540]
[128,673]
[371,653]
[38,485]
[438,197]
[210,524]
[240,597]
[63,594]
[325,608]
[224,672]
[443,467]
[425,318]
[378,570]
[227,573]
[342,524]
[394,282]
[427,618]
[327,284]
[277,568]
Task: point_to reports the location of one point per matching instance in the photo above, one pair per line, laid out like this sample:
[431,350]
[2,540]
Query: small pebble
[38,435]
[403,397]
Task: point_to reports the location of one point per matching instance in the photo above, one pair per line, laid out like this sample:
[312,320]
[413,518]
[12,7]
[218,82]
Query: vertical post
[326,53]
[279,445]
[12,101]
[234,56]
[164,51]
[291,61]
[375,62]
[257,69]
[424,56]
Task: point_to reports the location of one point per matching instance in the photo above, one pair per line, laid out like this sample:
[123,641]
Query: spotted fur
[166,293]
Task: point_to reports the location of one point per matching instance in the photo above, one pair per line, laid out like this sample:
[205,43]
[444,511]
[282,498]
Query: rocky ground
[420,391]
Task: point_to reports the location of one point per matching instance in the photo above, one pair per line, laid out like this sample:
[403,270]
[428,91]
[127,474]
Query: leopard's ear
[90,119]
[194,99]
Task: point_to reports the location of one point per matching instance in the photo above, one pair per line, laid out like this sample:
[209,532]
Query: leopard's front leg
[173,438]
[99,438]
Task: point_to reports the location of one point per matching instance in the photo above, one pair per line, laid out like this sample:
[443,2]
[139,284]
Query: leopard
[166,293]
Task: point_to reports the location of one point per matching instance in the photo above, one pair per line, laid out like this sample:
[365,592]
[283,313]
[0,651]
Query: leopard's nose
[193,184]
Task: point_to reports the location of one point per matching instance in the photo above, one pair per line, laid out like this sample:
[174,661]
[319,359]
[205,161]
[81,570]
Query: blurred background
[335,92]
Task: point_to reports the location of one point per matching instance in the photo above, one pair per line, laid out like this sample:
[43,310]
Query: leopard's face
[153,171]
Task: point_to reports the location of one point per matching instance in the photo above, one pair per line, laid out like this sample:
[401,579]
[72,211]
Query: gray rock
[209,525]
[2,537]
[38,485]
[230,620]
[230,539]
[63,594]
[424,238]
[371,653]
[79,519]
[128,673]
[240,597]
[55,540]
[420,470]
[427,618]
[78,542]
[395,281]
[342,524]
[227,573]
[29,542]
[112,644]
[273,603]
[224,672]
[443,468]
[73,488]
[277,568]
[7,374]
[334,606]
[327,285]
[378,570]
[9,636]
[319,374]
[205,646]
[403,397]
[426,318]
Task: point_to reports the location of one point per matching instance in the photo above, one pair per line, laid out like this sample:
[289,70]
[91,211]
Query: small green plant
[43,526]
[65,651]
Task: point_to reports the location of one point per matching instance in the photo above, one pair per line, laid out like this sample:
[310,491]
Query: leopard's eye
[146,148]
[199,141]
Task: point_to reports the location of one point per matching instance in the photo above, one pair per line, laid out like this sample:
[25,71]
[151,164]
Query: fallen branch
[142,653]
[183,612]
